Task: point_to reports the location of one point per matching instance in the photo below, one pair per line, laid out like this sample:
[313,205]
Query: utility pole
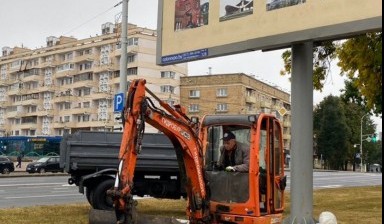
[124,46]
[361,142]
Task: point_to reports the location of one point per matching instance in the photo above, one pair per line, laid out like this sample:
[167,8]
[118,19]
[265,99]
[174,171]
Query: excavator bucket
[97,216]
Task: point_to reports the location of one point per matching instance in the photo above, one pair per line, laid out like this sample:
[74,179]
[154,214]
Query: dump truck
[91,158]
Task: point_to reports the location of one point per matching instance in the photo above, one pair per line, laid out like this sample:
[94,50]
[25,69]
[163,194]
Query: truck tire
[89,195]
[100,199]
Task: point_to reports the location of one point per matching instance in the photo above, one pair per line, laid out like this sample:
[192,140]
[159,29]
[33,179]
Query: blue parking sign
[118,102]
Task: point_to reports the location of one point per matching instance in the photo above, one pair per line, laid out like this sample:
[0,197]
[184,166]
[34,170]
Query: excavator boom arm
[181,131]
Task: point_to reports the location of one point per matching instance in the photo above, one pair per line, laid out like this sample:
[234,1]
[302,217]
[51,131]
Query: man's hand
[230,169]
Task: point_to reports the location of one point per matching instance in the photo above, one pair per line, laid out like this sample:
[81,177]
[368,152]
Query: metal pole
[124,45]
[361,142]
[302,135]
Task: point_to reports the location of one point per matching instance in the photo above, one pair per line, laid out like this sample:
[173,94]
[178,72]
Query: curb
[25,174]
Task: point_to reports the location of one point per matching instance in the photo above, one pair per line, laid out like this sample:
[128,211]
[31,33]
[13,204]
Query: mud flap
[97,216]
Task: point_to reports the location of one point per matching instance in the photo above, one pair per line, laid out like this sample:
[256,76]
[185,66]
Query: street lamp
[361,142]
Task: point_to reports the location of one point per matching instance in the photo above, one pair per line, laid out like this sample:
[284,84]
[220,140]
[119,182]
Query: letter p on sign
[118,102]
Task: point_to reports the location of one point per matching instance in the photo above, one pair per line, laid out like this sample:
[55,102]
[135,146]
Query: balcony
[5,82]
[32,78]
[51,64]
[13,114]
[131,49]
[66,73]
[59,124]
[287,136]
[100,123]
[16,92]
[29,125]
[82,110]
[287,124]
[44,113]
[85,57]
[101,95]
[250,99]
[265,104]
[63,98]
[47,88]
[105,68]
[15,69]
[31,102]
[83,83]
[4,104]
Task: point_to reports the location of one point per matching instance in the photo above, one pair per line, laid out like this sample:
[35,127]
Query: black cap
[228,136]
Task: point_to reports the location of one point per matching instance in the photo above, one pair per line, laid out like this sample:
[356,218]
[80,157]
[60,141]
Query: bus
[30,146]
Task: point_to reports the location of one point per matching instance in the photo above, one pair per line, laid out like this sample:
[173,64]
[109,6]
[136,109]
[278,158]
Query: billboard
[198,29]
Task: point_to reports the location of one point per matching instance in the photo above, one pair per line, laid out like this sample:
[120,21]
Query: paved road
[48,190]
[37,190]
[339,179]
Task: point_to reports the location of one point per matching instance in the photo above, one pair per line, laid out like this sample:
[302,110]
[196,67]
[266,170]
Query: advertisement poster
[277,4]
[191,14]
[231,9]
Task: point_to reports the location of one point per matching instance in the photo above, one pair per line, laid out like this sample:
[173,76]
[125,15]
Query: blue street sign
[118,102]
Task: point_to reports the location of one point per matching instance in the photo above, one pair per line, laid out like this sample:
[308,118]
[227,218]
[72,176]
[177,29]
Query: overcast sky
[29,22]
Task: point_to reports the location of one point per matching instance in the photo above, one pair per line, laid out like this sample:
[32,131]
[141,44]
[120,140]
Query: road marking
[60,188]
[43,196]
[35,184]
[331,186]
[63,191]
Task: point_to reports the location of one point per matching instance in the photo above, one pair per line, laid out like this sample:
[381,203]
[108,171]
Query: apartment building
[235,94]
[69,84]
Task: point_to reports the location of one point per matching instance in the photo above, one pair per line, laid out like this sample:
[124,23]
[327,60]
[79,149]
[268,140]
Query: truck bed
[90,151]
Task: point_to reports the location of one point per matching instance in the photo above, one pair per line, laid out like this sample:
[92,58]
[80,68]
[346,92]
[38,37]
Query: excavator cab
[253,196]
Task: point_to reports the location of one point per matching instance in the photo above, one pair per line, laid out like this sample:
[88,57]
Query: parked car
[45,164]
[6,165]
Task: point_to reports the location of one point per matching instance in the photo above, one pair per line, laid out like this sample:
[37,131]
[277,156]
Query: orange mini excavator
[214,195]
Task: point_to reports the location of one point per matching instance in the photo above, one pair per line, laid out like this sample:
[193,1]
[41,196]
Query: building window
[132,71]
[222,107]
[85,66]
[194,93]
[222,92]
[65,67]
[249,92]
[67,56]
[167,89]
[83,77]
[194,108]
[67,106]
[131,58]
[168,74]
[87,91]
[16,64]
[133,41]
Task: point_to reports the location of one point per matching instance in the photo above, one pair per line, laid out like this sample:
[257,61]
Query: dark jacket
[241,157]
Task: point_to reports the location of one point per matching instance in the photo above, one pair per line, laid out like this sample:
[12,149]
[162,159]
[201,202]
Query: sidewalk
[23,166]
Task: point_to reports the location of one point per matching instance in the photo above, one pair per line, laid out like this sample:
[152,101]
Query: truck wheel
[89,195]
[100,199]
